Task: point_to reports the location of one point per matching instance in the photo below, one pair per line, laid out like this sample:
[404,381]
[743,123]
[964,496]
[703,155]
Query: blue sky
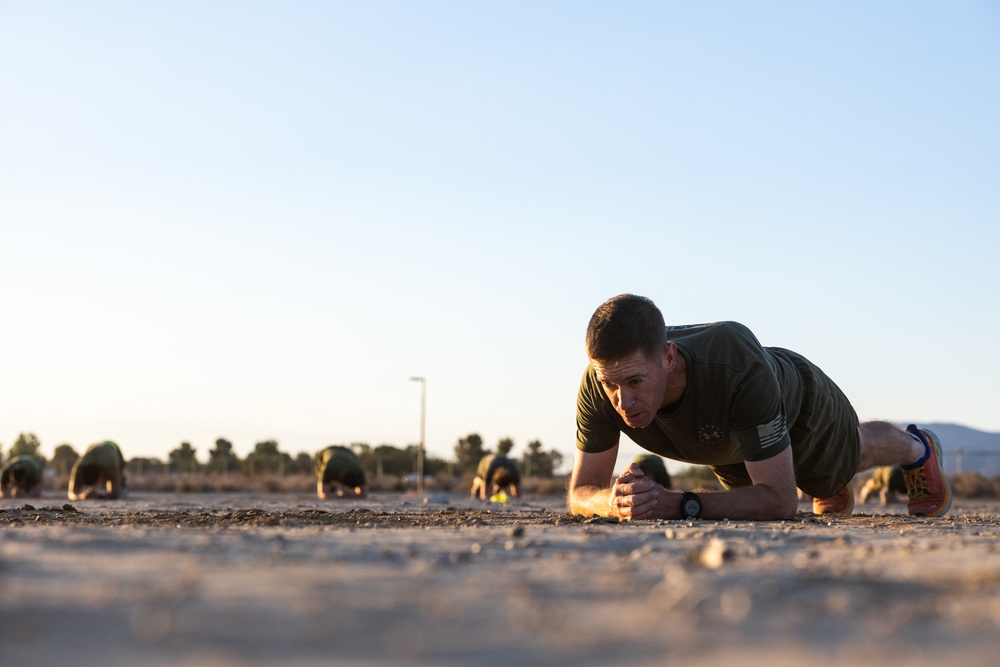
[258,220]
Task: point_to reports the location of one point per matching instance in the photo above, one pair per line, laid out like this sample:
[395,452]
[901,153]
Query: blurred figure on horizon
[99,473]
[654,468]
[20,477]
[889,482]
[339,474]
[496,475]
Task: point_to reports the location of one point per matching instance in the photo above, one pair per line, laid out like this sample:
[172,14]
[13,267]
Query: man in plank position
[496,475]
[20,477]
[765,419]
[339,474]
[888,482]
[99,473]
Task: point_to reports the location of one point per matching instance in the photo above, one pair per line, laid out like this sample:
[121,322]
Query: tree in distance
[63,459]
[541,464]
[183,458]
[27,444]
[221,458]
[468,451]
[504,446]
[267,458]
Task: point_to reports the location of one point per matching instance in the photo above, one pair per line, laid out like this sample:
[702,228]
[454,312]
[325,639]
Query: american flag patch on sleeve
[772,432]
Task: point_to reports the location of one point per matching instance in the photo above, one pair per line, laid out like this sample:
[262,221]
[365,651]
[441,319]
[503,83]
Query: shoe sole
[847,510]
[936,444]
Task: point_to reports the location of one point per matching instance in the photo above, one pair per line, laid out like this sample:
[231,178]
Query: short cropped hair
[501,477]
[624,324]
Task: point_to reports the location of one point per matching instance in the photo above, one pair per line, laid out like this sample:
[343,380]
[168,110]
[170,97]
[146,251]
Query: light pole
[420,447]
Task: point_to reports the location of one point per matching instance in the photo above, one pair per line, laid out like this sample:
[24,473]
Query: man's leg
[919,453]
[885,444]
[881,443]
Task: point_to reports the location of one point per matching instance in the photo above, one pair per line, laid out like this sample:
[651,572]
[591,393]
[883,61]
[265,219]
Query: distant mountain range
[967,449]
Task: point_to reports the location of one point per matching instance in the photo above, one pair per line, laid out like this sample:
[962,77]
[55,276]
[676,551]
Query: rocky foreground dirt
[248,579]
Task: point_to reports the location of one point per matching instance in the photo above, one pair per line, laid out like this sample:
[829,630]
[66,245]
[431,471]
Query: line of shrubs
[238,482]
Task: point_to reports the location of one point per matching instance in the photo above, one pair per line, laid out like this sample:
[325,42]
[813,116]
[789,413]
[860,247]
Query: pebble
[715,554]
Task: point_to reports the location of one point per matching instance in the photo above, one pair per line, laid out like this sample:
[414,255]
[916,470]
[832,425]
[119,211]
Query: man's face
[636,385]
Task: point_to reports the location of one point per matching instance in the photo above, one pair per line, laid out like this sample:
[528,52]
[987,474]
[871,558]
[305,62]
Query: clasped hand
[635,496]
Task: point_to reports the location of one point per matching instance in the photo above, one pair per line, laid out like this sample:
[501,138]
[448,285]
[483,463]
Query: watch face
[692,507]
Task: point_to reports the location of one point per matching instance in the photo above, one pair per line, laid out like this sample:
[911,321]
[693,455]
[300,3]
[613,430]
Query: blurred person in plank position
[765,419]
[652,466]
[21,476]
[339,474]
[99,473]
[495,477]
[888,482]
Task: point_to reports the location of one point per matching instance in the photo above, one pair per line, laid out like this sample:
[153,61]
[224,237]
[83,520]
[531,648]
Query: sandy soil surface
[248,579]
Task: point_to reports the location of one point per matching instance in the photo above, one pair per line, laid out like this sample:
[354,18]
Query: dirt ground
[259,579]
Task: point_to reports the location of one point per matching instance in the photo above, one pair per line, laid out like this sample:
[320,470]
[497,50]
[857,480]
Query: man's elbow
[785,505]
[571,501]
[788,510]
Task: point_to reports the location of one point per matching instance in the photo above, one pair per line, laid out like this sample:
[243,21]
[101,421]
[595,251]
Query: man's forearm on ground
[757,502]
[590,500]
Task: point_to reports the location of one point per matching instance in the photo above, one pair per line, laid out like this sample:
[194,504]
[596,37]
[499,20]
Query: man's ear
[670,356]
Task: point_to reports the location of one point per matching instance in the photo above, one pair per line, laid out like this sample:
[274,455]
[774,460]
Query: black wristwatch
[690,505]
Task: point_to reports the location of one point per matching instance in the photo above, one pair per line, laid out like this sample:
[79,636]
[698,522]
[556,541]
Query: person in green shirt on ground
[495,475]
[99,473]
[765,419]
[654,468]
[339,474]
[888,482]
[21,476]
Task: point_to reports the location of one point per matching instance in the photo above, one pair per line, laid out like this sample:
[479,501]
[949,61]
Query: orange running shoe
[842,503]
[926,485]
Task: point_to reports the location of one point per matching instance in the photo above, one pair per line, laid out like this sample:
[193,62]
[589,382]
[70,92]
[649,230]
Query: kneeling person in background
[654,468]
[889,482]
[496,473]
[339,474]
[21,476]
[99,473]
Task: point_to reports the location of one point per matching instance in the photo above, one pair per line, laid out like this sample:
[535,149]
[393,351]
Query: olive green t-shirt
[333,462]
[742,402]
[106,456]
